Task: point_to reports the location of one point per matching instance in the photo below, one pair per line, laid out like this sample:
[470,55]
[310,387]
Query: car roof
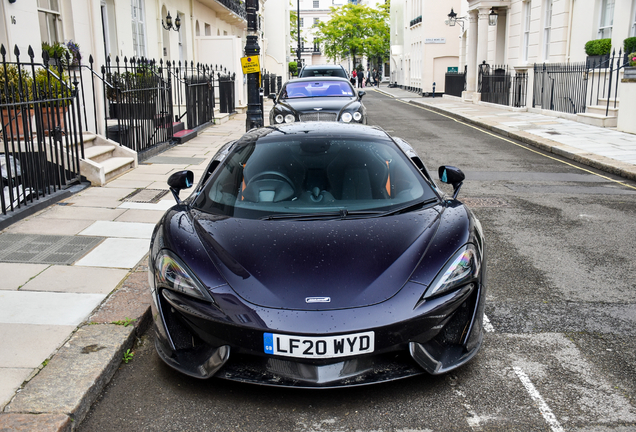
[307,130]
[318,78]
[327,66]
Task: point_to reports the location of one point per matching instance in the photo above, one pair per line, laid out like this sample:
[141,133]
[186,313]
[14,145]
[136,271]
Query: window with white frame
[607,19]
[547,28]
[316,21]
[50,21]
[138,28]
[316,4]
[302,22]
[633,30]
[527,13]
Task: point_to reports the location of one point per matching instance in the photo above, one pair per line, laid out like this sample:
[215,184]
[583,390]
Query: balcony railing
[238,7]
[416,20]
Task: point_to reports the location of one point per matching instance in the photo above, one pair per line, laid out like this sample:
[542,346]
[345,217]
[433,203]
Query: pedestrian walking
[353,78]
[376,78]
[360,78]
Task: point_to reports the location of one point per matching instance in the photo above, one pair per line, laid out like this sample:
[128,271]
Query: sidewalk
[74,290]
[601,148]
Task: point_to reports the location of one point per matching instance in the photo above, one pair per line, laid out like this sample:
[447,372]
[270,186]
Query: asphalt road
[560,354]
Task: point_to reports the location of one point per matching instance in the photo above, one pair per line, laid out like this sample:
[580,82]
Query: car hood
[353,262]
[326,103]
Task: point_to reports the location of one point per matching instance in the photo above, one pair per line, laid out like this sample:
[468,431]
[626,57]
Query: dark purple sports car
[317,255]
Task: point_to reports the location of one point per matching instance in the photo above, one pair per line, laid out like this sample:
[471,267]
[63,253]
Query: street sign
[250,65]
[452,69]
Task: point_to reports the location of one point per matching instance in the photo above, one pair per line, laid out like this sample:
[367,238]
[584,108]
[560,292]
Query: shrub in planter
[74,50]
[56,52]
[598,47]
[293,68]
[632,58]
[629,45]
[57,94]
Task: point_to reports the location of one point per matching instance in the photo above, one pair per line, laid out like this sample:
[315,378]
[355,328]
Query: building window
[316,47]
[527,13]
[50,21]
[607,19]
[302,22]
[547,27]
[208,30]
[316,21]
[633,31]
[316,4]
[138,28]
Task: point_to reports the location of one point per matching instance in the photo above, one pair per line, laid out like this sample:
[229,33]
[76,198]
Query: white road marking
[487,326]
[544,409]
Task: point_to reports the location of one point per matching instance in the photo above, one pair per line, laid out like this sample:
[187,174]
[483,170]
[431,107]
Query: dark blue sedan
[317,255]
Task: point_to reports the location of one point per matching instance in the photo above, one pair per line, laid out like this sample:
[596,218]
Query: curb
[60,395]
[602,163]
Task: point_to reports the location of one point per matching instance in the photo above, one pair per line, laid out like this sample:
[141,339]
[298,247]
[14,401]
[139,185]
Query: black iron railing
[498,85]
[235,6]
[40,128]
[455,83]
[572,87]
[227,100]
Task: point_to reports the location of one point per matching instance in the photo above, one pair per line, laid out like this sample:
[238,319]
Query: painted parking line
[544,409]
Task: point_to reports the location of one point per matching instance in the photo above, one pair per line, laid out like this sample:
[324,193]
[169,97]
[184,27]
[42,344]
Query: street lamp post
[298,27]
[254,111]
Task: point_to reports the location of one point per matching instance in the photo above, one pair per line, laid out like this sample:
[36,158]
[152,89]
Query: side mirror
[178,181]
[271,96]
[452,175]
[361,93]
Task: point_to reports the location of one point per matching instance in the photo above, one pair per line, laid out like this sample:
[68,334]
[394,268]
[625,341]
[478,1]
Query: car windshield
[312,177]
[317,88]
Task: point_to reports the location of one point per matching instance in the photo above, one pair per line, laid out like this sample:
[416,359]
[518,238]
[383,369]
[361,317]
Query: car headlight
[460,269]
[289,118]
[279,118]
[357,116]
[173,275]
[346,117]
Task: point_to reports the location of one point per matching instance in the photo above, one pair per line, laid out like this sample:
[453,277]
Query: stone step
[597,120]
[600,110]
[98,153]
[603,102]
[116,166]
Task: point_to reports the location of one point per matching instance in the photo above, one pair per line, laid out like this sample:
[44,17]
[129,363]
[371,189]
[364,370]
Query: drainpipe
[570,31]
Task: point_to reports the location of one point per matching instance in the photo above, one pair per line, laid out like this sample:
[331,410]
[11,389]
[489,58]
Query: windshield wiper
[409,207]
[340,214]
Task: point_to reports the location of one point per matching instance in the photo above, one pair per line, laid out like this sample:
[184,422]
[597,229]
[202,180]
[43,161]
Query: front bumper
[201,340]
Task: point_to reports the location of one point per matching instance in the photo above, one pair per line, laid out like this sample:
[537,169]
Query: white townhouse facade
[423,48]
[211,31]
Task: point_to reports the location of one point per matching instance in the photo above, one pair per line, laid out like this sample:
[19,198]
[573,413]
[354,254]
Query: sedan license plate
[319,347]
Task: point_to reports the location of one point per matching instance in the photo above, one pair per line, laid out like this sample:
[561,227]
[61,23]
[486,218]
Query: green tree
[355,30]
[293,31]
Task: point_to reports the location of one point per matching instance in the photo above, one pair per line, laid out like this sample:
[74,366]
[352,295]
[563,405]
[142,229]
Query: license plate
[319,347]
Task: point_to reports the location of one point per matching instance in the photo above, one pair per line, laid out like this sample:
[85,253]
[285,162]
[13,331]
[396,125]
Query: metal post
[254,111]
[298,27]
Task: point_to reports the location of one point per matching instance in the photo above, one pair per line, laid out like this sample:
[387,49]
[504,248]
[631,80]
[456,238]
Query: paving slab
[28,345]
[14,275]
[148,216]
[73,378]
[116,253]
[119,229]
[77,279]
[44,249]
[162,205]
[10,380]
[46,308]
[43,225]
[79,212]
[129,304]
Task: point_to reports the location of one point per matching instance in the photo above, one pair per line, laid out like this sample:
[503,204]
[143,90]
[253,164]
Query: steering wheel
[276,174]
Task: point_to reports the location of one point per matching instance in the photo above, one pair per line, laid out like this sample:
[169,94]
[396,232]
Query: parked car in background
[323,70]
[317,255]
[318,99]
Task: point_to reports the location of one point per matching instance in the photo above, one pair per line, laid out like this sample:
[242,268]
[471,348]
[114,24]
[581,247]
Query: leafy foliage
[293,68]
[57,51]
[598,47]
[11,86]
[293,33]
[355,30]
[629,44]
[50,87]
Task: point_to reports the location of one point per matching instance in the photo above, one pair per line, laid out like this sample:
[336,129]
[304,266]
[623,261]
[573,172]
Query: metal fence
[193,92]
[499,85]
[41,128]
[227,101]
[572,87]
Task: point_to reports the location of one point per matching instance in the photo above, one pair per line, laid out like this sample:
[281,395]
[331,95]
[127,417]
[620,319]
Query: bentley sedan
[318,99]
[317,255]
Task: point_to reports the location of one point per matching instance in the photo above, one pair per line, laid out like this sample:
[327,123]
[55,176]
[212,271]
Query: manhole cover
[485,202]
[146,196]
[44,249]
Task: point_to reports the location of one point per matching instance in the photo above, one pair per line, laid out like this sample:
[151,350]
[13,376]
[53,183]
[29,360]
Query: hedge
[598,47]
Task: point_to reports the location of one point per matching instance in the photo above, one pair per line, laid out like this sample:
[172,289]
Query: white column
[471,55]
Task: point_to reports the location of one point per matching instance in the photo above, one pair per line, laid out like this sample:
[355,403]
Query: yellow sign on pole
[250,65]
